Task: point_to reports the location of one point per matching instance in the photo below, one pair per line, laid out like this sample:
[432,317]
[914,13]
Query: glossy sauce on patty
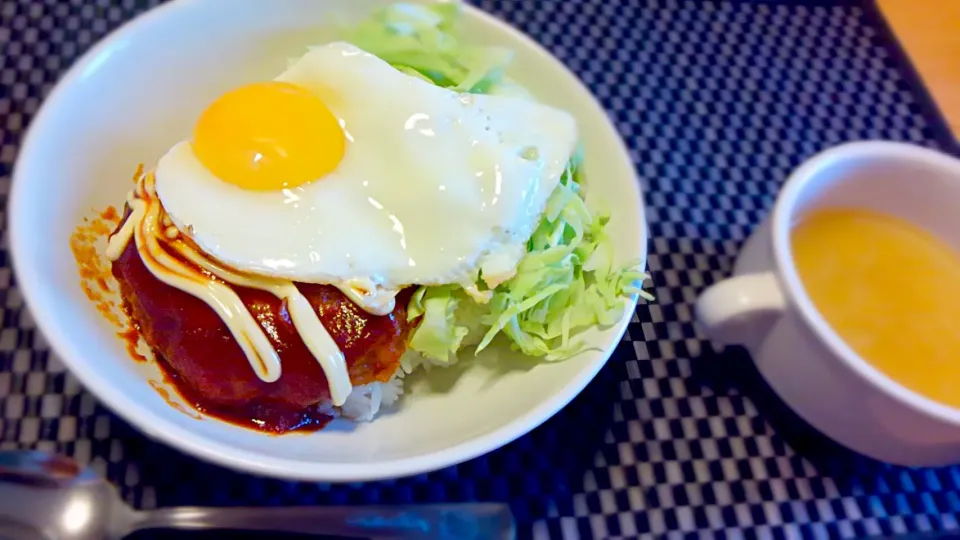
[209,369]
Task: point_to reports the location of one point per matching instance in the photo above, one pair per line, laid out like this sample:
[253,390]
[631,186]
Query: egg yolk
[268,136]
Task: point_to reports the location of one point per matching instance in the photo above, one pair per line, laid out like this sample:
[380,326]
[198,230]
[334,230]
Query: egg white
[433,185]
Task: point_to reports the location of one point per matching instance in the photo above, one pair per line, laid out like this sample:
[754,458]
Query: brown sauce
[202,360]
[131,340]
[274,418]
[165,394]
[93,269]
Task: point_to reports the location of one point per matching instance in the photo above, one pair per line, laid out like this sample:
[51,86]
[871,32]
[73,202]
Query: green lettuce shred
[567,282]
[420,40]
[437,336]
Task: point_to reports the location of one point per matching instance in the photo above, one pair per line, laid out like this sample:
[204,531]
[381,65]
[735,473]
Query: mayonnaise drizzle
[146,224]
[371,298]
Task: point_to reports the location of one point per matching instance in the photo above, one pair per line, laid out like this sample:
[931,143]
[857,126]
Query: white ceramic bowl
[138,92]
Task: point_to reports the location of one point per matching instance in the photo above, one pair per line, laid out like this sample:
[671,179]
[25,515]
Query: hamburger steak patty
[210,370]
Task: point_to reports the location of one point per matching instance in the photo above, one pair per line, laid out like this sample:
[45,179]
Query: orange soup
[891,290]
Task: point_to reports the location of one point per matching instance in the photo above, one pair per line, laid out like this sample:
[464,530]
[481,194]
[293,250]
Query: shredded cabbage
[567,281]
[420,40]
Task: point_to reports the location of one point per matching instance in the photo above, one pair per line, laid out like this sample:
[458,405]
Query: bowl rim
[220,453]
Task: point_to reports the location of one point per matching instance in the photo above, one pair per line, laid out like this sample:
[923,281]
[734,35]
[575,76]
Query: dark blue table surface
[718,100]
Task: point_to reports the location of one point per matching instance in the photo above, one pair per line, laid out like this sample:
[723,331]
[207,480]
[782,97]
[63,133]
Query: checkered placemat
[718,101]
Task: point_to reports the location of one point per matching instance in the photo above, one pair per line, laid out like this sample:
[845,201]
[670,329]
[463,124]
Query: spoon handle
[422,522]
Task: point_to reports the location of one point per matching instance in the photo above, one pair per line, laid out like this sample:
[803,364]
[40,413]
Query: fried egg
[345,170]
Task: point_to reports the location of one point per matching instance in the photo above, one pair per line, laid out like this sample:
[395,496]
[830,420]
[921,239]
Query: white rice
[365,402]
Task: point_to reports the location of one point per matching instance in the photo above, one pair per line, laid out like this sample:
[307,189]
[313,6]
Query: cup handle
[741,310]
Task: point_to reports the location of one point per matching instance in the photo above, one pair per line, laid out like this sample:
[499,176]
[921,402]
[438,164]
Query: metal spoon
[48,497]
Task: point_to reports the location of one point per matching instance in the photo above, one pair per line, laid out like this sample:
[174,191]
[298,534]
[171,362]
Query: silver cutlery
[49,497]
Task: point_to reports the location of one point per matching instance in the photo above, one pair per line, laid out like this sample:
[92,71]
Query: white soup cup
[764,306]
